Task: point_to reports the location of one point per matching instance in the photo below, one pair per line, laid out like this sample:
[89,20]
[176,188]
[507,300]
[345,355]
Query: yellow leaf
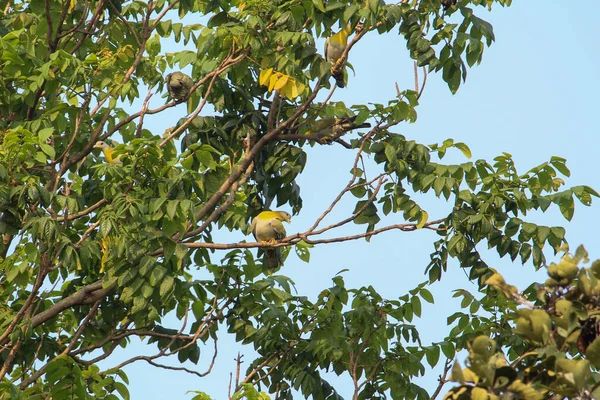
[285,84]
[264,76]
[470,376]
[72,5]
[293,89]
[297,89]
[286,91]
[478,393]
[301,88]
[281,82]
[104,244]
[74,101]
[273,80]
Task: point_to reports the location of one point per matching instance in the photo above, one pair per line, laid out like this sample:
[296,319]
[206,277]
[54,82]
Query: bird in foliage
[446,4]
[334,47]
[330,129]
[108,153]
[114,7]
[117,4]
[178,85]
[267,227]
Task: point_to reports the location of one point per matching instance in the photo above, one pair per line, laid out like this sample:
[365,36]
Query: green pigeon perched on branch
[334,47]
[331,129]
[178,85]
[108,153]
[267,227]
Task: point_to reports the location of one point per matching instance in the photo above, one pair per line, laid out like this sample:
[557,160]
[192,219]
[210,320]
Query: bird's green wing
[187,82]
[322,127]
[278,228]
[322,124]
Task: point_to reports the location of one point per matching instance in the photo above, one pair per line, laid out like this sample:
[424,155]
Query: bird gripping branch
[267,227]
[330,129]
[334,47]
[179,85]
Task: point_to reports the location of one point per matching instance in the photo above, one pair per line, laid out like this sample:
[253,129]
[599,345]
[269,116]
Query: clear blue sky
[535,95]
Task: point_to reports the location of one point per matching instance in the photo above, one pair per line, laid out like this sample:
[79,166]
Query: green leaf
[319,5]
[567,207]
[448,349]
[592,353]
[559,164]
[122,389]
[48,150]
[302,251]
[464,148]
[426,295]
[166,286]
[44,135]
[416,305]
[432,354]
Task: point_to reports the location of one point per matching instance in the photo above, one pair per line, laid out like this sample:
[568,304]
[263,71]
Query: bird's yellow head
[101,145]
[108,152]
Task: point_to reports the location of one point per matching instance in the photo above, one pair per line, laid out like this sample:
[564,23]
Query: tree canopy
[107,222]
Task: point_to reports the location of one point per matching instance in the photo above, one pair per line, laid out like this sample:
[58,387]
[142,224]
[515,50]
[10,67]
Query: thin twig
[189,371]
[143,111]
[424,83]
[442,379]
[416,71]
[380,181]
[88,210]
[348,185]
[86,233]
[238,365]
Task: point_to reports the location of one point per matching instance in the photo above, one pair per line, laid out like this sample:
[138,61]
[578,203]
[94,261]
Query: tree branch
[88,294]
[442,379]
[294,239]
[35,376]
[87,211]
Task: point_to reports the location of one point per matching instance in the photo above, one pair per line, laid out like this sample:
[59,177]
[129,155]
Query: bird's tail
[348,124]
[339,78]
[273,259]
